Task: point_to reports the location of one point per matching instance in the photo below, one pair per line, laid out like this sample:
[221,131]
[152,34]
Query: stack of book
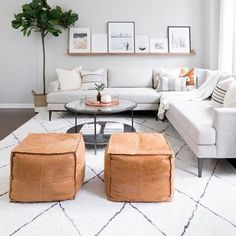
[89,129]
[111,128]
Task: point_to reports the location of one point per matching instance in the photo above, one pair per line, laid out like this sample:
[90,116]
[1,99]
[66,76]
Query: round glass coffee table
[99,138]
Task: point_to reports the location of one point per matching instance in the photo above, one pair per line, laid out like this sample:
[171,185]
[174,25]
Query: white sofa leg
[200,165]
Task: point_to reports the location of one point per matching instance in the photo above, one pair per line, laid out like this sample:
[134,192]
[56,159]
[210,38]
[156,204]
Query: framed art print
[99,43]
[179,39]
[158,45]
[142,44]
[79,41]
[121,37]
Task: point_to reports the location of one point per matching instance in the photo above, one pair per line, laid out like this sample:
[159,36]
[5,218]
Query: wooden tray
[95,103]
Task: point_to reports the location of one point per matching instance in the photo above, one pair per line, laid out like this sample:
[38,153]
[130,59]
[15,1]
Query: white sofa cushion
[196,118]
[139,95]
[130,78]
[64,97]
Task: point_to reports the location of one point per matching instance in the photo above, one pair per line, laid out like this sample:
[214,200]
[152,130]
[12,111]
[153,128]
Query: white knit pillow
[220,91]
[230,96]
[69,79]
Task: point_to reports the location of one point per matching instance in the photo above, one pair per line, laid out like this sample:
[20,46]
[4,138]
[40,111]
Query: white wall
[20,57]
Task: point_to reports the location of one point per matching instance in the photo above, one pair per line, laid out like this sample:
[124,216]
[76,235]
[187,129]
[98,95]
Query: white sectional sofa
[210,133]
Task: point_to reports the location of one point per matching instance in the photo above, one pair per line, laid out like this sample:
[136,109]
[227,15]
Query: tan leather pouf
[47,167]
[139,168]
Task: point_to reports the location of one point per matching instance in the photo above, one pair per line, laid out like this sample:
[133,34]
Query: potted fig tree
[38,16]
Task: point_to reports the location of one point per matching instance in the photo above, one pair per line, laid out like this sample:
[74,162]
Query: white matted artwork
[158,45]
[79,40]
[179,39]
[121,37]
[99,43]
[142,44]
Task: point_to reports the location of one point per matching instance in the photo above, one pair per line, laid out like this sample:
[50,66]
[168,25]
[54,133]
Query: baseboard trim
[16,105]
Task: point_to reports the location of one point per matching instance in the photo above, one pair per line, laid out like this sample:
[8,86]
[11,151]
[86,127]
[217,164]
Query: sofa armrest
[224,122]
[53,86]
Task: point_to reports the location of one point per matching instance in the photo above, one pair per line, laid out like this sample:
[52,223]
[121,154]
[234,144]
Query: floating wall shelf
[192,53]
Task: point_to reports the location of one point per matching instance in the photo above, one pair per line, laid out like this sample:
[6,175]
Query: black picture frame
[179,39]
[118,41]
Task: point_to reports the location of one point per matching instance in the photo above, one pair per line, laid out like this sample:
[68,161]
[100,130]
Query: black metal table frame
[95,123]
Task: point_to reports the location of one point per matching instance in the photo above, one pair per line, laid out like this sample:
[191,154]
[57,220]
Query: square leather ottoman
[139,168]
[47,167]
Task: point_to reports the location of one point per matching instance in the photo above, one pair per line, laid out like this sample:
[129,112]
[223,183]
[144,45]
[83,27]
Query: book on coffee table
[111,128]
[89,129]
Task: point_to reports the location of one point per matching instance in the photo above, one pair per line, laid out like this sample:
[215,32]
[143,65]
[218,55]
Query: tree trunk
[44,63]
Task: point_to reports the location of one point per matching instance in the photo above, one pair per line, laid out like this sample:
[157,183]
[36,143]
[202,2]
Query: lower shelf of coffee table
[101,138]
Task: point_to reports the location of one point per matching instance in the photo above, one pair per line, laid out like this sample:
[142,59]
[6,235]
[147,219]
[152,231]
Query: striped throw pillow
[230,96]
[171,83]
[219,92]
[90,78]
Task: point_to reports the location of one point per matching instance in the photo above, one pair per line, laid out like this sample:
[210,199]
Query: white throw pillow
[69,79]
[171,83]
[90,78]
[220,91]
[166,72]
[230,96]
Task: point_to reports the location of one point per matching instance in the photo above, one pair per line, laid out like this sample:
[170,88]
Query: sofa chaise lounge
[209,132]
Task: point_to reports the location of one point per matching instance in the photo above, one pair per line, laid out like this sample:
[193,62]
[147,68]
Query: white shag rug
[201,206]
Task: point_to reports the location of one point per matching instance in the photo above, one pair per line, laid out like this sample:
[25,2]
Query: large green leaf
[40,17]
[55,14]
[26,7]
[44,17]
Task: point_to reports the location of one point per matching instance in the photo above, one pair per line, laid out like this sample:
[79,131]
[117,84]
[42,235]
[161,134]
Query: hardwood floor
[11,119]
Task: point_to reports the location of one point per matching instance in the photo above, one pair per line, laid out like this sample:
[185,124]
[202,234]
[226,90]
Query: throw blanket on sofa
[203,92]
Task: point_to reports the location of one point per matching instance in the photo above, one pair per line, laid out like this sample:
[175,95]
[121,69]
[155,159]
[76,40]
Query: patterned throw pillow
[220,91]
[90,78]
[230,96]
[171,83]
[190,75]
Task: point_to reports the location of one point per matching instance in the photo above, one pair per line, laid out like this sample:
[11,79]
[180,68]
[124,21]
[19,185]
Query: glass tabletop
[79,106]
